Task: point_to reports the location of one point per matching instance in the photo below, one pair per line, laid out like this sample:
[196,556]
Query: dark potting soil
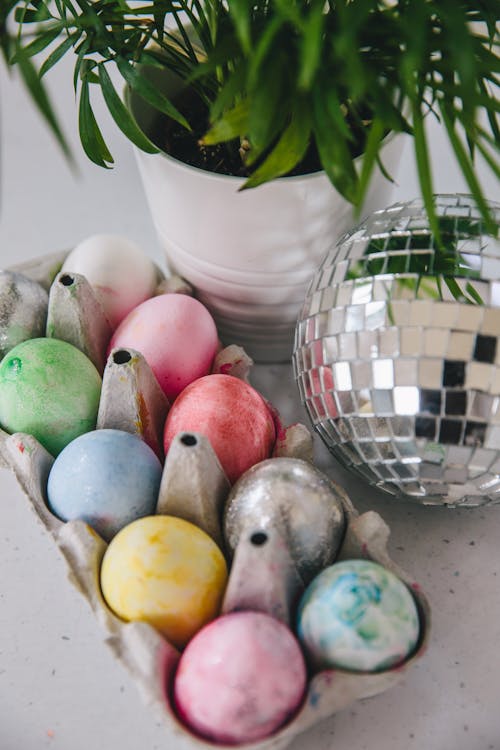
[223,158]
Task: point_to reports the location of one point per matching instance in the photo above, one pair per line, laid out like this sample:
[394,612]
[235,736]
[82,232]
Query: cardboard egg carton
[193,487]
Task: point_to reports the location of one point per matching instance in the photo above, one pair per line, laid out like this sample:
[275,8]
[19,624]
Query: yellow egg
[167,572]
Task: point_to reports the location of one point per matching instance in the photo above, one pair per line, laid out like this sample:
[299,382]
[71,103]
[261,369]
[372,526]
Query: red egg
[231,414]
[175,334]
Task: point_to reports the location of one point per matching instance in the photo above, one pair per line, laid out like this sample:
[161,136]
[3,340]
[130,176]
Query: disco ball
[397,353]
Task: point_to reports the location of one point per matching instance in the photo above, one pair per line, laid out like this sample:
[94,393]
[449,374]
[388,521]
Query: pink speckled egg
[240,678]
[231,414]
[175,334]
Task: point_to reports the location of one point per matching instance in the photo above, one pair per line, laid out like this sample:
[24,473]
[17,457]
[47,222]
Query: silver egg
[23,310]
[294,499]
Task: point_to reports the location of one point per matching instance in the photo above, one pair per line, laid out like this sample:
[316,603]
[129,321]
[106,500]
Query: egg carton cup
[195,488]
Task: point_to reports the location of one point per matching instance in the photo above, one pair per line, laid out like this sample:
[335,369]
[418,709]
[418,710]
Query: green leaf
[495,129]
[472,292]
[424,169]
[261,50]
[493,165]
[333,147]
[198,18]
[372,149]
[81,51]
[91,17]
[269,105]
[92,77]
[63,6]
[240,13]
[149,92]
[334,109]
[311,47]
[39,43]
[121,114]
[289,11]
[454,288]
[188,47]
[384,171]
[90,135]
[228,93]
[58,53]
[460,50]
[159,13]
[232,124]
[468,171]
[289,150]
[27,15]
[42,101]
[389,108]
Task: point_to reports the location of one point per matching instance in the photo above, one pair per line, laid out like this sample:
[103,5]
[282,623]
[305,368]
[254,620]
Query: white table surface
[60,687]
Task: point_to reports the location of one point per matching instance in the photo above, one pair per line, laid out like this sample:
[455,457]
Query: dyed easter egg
[119,272]
[296,499]
[23,310]
[177,337]
[107,478]
[357,615]
[231,414]
[240,678]
[50,390]
[167,572]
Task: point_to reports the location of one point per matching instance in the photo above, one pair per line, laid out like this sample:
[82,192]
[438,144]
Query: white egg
[117,269]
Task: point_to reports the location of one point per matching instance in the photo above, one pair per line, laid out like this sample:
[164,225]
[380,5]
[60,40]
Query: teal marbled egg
[358,616]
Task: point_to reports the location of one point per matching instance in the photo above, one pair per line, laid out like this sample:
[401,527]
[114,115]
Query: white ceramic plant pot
[249,255]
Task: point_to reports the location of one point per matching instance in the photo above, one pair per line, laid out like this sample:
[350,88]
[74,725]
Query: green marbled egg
[50,390]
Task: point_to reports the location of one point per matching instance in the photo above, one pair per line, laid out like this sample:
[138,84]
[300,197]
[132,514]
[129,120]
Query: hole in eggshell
[188,440]
[66,280]
[258,538]
[121,357]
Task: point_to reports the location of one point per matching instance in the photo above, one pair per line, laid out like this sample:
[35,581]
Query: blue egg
[359,616]
[107,478]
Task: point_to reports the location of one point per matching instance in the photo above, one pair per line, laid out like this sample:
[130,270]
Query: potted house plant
[242,93]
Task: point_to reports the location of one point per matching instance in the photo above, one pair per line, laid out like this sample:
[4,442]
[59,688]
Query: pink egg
[240,678]
[231,414]
[175,334]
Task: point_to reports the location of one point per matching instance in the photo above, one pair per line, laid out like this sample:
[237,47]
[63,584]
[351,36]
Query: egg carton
[193,487]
